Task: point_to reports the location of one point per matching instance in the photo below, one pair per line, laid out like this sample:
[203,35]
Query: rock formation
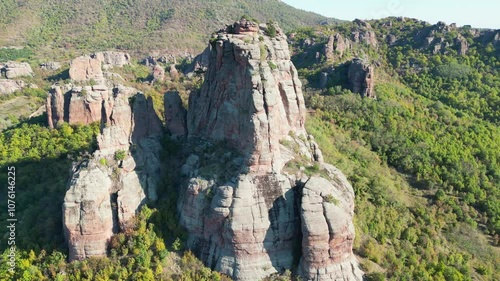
[105,191]
[112,59]
[88,103]
[173,72]
[200,62]
[463,45]
[365,34]
[336,44]
[13,69]
[362,78]
[8,86]
[158,73]
[51,65]
[86,68]
[90,67]
[247,214]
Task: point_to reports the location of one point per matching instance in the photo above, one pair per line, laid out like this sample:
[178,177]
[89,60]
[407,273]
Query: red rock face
[245,27]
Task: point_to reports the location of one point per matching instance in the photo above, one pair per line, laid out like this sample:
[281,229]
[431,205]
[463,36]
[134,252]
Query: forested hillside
[53,27]
[424,156]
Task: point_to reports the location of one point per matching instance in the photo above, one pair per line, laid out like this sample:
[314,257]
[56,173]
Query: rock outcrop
[463,45]
[200,62]
[90,67]
[86,68]
[51,65]
[365,34]
[336,45]
[111,59]
[361,78]
[158,73]
[173,72]
[8,86]
[14,69]
[88,103]
[243,208]
[106,191]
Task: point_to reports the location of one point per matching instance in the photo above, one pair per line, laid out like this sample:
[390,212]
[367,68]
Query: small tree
[271,29]
[120,155]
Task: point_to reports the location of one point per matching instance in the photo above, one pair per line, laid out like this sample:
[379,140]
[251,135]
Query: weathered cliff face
[175,115]
[90,67]
[248,215]
[251,97]
[105,191]
[361,77]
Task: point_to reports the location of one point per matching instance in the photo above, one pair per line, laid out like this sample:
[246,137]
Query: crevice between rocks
[114,212]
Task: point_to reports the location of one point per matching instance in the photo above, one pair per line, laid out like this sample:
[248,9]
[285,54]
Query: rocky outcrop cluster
[90,67]
[365,34]
[361,76]
[433,38]
[106,190]
[247,213]
[336,44]
[12,70]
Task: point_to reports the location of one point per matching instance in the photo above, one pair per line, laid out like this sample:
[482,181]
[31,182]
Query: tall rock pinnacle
[247,212]
[251,97]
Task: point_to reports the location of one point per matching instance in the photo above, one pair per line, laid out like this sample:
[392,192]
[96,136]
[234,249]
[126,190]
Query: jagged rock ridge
[246,213]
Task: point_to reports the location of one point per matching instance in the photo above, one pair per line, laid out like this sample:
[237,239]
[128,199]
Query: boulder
[158,73]
[111,59]
[8,86]
[86,68]
[16,69]
[51,65]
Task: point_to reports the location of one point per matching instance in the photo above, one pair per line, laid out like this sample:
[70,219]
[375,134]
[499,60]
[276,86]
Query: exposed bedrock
[247,212]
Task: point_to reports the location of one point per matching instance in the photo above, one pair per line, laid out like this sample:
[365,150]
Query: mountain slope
[133,25]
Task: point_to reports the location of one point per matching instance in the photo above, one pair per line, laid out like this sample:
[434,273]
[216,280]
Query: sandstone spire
[247,214]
